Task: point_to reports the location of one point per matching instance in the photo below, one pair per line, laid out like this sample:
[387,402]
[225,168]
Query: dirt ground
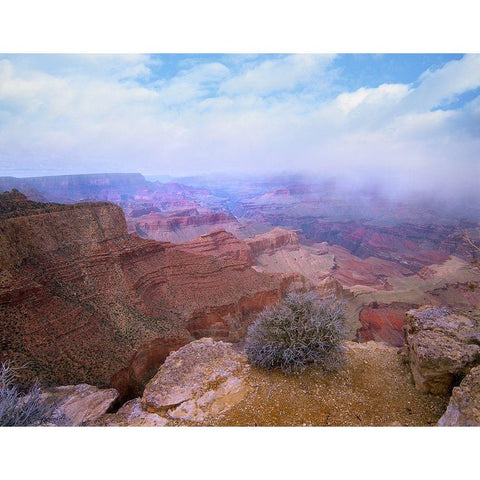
[374,388]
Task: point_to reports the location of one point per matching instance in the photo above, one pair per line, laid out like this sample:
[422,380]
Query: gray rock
[443,346]
[464,407]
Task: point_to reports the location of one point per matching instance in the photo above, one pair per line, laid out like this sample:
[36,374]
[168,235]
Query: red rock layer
[80,299]
[270,241]
[180,226]
[156,221]
[373,272]
[383,322]
[220,243]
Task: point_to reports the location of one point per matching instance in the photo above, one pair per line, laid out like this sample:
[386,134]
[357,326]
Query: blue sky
[373,115]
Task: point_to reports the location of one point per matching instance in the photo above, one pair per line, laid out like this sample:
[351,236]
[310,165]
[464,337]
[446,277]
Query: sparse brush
[21,410]
[300,330]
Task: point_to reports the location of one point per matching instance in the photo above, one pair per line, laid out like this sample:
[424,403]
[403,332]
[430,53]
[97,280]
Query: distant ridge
[73,188]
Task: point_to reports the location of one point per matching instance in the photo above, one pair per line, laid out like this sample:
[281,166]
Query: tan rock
[443,346]
[464,406]
[131,414]
[80,404]
[200,380]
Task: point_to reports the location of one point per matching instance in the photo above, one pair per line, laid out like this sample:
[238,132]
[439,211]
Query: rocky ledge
[464,407]
[211,383]
[443,346]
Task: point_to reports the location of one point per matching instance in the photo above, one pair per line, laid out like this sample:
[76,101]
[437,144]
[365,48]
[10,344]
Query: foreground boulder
[79,404]
[443,346]
[131,414]
[200,380]
[464,407]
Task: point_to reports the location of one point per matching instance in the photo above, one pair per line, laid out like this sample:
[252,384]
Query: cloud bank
[63,114]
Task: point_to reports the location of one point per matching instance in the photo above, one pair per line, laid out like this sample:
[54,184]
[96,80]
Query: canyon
[82,300]
[103,276]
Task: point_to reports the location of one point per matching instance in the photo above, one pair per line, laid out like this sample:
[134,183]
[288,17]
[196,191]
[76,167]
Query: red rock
[180,226]
[81,300]
[220,243]
[383,322]
[270,241]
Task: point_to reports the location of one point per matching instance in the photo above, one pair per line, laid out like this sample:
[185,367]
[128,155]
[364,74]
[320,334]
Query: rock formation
[203,379]
[82,301]
[464,407]
[131,414]
[443,346]
[77,405]
[273,240]
[221,244]
[181,226]
[211,383]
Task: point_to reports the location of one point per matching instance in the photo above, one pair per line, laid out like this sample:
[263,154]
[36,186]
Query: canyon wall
[81,300]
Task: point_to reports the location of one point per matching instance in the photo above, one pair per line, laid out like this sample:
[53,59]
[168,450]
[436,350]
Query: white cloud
[192,84]
[106,113]
[271,76]
[443,85]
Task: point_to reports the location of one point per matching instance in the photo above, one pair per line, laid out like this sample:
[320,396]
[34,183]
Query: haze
[407,122]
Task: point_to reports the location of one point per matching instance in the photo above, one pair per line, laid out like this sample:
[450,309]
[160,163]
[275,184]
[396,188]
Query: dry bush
[22,410]
[300,330]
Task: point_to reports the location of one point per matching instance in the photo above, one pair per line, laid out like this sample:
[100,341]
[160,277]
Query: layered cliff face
[180,226]
[273,240]
[81,300]
[220,243]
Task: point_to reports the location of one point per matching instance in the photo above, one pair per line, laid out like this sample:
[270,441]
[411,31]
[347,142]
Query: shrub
[20,410]
[300,330]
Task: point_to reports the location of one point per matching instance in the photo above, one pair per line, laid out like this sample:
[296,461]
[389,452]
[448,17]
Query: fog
[257,116]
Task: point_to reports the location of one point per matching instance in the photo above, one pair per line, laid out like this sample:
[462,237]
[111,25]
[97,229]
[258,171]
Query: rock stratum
[81,300]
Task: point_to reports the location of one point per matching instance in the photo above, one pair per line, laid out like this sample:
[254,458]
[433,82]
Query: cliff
[180,226]
[82,301]
[220,243]
[271,241]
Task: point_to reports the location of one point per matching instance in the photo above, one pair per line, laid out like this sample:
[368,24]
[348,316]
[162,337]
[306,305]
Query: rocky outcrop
[82,301]
[443,346]
[77,405]
[131,414]
[179,227]
[271,241]
[210,383]
[201,380]
[220,243]
[131,380]
[464,407]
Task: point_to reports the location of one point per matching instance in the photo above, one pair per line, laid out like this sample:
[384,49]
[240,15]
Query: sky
[414,118]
